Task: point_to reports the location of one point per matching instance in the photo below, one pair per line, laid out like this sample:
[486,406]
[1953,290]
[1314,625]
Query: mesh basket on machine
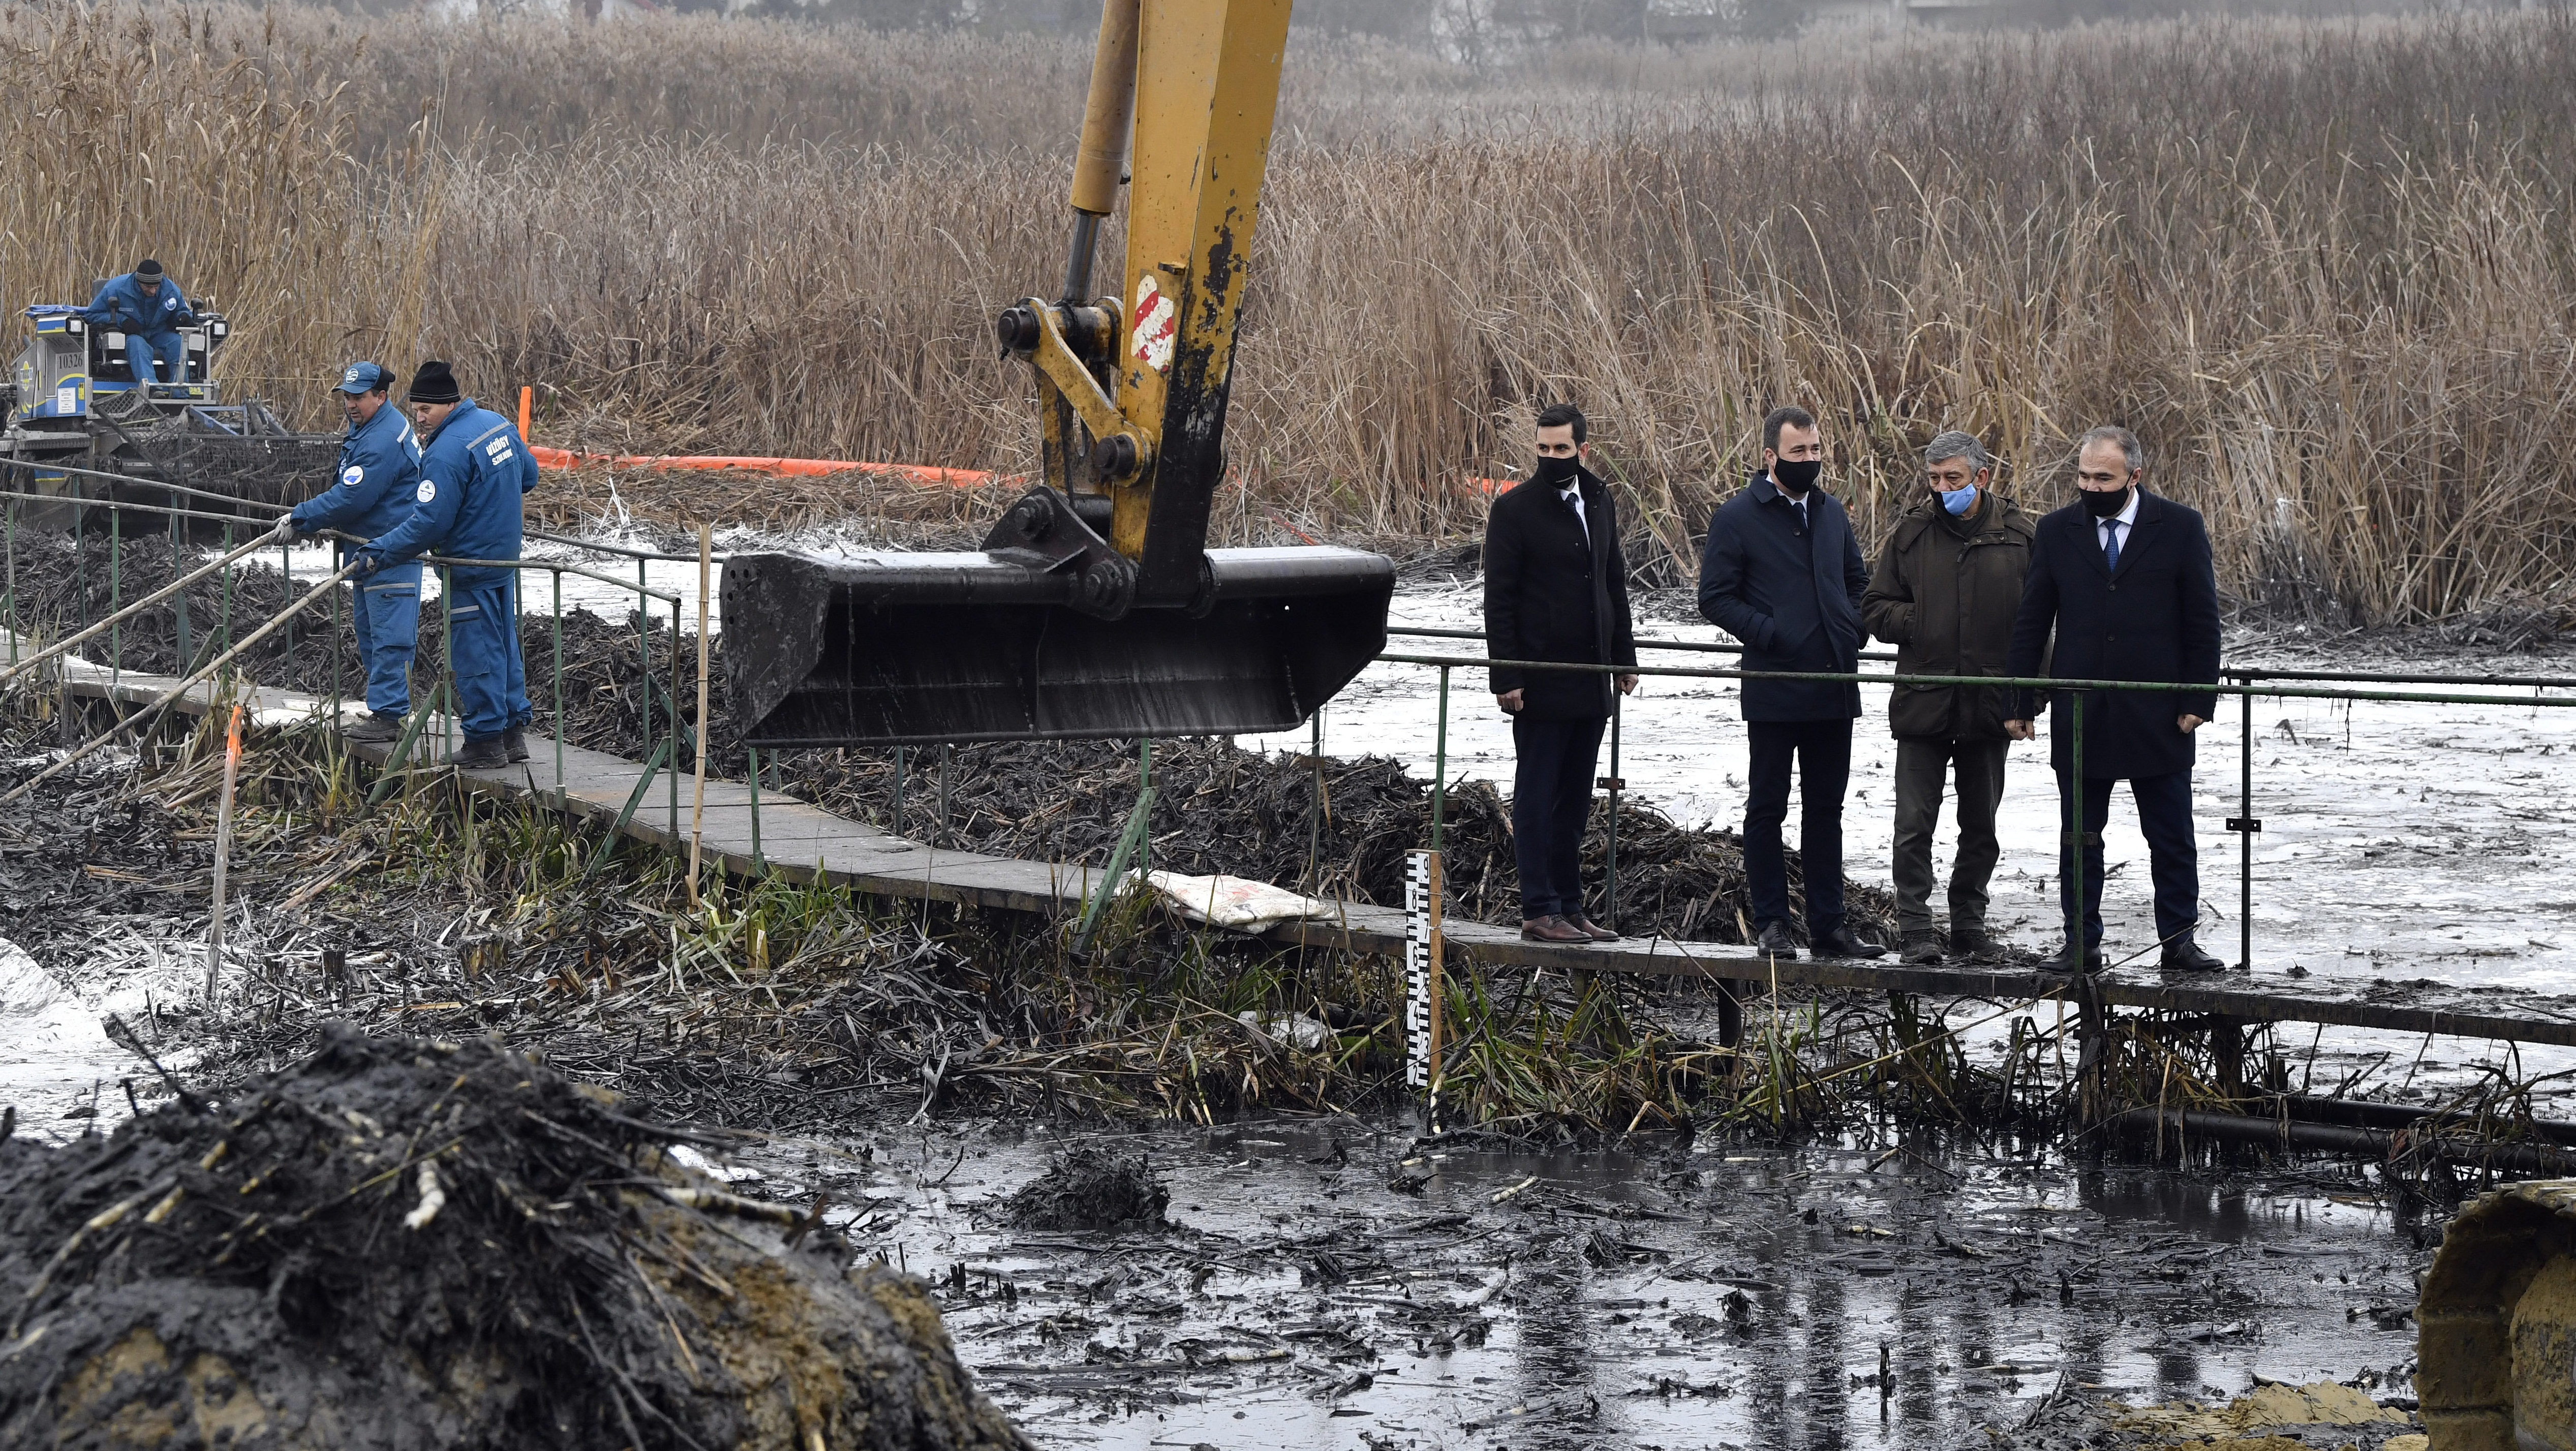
[261,468]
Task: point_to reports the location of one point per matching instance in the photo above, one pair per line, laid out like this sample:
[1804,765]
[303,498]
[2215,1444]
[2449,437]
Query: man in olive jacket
[1948,583]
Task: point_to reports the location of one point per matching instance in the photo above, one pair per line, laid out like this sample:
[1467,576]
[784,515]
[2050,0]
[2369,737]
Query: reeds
[2321,266]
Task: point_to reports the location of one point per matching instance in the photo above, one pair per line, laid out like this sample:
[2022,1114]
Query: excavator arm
[1094,609]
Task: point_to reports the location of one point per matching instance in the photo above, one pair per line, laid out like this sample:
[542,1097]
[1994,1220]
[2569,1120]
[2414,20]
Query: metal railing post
[759,865]
[1315,811]
[178,568]
[562,796]
[946,753]
[644,647]
[1440,764]
[2081,919]
[446,662]
[115,595]
[227,623]
[1613,783]
[674,722]
[12,532]
[898,790]
[80,548]
[2245,825]
[286,572]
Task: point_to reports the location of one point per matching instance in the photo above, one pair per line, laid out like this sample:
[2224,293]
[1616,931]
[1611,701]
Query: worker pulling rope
[98,742]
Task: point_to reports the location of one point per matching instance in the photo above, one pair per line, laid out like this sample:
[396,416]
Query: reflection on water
[1671,1295]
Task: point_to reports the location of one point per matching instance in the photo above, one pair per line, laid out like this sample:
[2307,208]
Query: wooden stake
[698,797]
[527,399]
[223,854]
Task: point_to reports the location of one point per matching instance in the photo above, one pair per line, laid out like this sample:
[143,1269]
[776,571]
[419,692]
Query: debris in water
[1090,1188]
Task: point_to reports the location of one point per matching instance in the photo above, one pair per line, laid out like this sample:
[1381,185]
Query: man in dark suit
[1783,574]
[1556,588]
[2125,580]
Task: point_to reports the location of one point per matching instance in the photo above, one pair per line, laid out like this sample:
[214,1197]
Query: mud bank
[401,1242]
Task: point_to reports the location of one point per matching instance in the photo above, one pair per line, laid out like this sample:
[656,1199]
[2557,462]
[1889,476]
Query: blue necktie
[2111,549]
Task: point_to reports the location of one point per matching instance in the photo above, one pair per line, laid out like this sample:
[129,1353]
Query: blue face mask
[1959,501]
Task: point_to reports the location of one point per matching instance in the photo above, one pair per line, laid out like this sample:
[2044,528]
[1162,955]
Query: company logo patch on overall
[499,451]
[426,492]
[353,475]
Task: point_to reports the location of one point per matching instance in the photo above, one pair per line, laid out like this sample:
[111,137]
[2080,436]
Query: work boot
[1841,943]
[1590,928]
[515,743]
[2070,959]
[482,755]
[373,728]
[2184,955]
[1921,948]
[1774,942]
[1975,942]
[1552,928]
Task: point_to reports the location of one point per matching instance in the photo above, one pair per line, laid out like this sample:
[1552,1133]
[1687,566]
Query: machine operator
[379,478]
[474,470]
[149,309]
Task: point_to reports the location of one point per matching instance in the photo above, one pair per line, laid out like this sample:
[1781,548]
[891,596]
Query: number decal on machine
[1154,326]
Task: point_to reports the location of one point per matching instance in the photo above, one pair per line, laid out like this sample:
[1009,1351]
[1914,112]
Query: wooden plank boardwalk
[801,840]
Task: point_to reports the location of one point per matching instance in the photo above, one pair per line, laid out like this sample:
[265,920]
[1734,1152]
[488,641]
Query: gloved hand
[284,531]
[368,562]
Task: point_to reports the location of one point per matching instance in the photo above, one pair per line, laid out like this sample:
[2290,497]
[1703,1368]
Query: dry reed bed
[2321,266]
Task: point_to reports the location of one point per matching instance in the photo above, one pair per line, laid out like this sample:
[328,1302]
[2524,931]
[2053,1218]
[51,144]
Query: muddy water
[1664,1296]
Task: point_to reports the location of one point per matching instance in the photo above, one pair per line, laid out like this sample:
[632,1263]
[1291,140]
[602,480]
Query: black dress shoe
[1588,927]
[1774,941]
[482,755]
[2067,961]
[1974,942]
[1841,943]
[2184,955]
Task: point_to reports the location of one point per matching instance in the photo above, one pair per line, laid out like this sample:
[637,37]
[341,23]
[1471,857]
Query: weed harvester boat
[73,403]
[1094,608]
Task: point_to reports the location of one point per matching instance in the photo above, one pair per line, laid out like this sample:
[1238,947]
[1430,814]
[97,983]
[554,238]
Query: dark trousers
[2164,816]
[1923,769]
[1822,750]
[1551,797]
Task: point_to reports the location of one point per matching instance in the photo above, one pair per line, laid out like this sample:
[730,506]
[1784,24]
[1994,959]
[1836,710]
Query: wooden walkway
[801,840]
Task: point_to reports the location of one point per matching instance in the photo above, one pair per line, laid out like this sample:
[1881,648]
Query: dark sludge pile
[403,1243]
[1090,1188]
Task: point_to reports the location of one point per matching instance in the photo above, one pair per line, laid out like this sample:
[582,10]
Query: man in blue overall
[149,309]
[379,471]
[474,469]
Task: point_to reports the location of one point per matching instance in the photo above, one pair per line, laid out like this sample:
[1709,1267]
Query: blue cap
[363,378]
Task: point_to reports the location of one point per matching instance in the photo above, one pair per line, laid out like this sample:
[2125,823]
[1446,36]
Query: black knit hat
[148,269]
[434,383]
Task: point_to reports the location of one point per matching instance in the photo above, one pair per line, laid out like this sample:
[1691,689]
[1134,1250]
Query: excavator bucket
[2496,1324]
[901,649]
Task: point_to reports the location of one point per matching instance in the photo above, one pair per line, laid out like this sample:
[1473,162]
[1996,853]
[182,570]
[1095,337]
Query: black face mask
[2103,503]
[1557,473]
[1796,475]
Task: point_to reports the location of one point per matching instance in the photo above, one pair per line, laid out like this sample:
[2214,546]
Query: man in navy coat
[2125,580]
[1783,574]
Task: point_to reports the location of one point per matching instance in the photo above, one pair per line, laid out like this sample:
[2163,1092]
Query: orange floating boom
[557,458]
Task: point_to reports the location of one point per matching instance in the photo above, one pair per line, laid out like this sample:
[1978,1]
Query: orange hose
[557,458]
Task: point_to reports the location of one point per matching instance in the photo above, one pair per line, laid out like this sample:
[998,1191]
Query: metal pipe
[561,794]
[2374,1143]
[2046,683]
[1611,885]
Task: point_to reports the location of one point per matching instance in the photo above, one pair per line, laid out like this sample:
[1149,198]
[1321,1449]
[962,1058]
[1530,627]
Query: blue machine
[73,400]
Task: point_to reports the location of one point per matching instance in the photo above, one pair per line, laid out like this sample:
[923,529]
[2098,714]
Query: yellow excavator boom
[1095,608]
